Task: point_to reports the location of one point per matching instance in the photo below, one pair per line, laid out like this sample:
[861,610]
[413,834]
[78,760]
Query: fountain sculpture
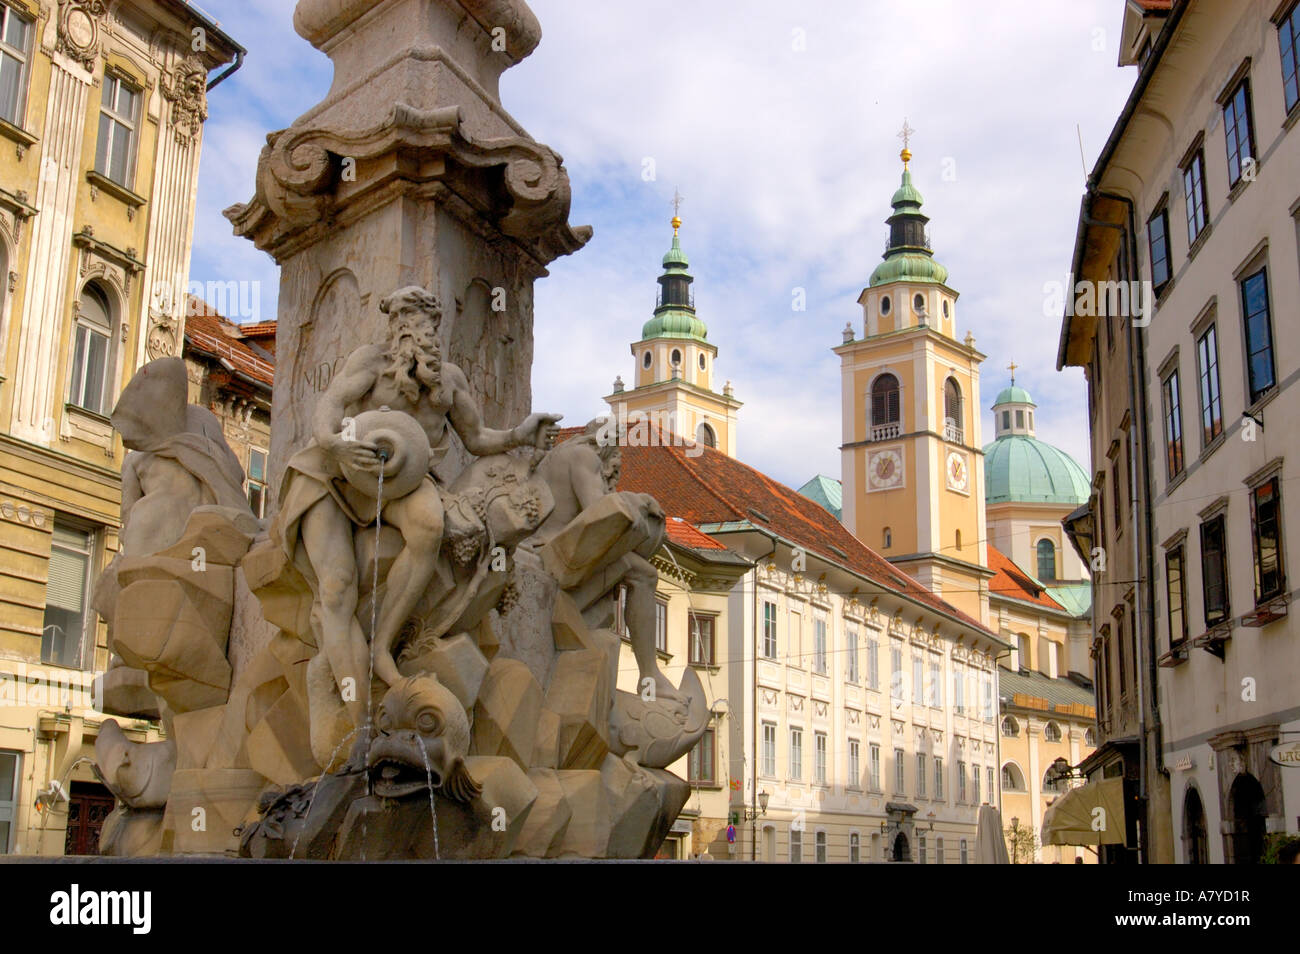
[415,656]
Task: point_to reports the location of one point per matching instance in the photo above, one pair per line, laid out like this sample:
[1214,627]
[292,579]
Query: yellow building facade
[101,119]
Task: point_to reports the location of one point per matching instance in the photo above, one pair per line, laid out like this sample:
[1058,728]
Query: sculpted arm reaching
[538,430]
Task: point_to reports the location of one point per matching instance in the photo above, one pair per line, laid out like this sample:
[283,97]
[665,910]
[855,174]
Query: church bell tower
[673,370]
[911,458]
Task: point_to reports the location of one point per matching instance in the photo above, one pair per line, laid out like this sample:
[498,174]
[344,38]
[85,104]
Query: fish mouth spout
[397,778]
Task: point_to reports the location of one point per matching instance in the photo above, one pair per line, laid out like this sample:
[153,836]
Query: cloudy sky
[778,122]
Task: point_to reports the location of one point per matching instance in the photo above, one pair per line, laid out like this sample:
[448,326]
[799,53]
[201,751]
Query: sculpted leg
[640,580]
[327,539]
[419,516]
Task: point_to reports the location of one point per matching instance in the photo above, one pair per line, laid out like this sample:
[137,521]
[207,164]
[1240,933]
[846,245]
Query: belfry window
[952,411]
[885,404]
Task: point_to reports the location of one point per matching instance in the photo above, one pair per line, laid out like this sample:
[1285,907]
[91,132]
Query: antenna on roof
[1082,161]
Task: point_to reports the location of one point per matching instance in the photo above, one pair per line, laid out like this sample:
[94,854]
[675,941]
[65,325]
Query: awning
[1092,814]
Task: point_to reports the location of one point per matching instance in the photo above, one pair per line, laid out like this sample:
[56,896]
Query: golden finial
[905,134]
[678,199]
[1012,368]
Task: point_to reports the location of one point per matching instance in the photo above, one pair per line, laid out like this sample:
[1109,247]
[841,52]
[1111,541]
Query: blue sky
[778,122]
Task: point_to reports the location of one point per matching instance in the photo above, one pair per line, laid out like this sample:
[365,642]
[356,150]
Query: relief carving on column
[186,90]
[161,340]
[78,29]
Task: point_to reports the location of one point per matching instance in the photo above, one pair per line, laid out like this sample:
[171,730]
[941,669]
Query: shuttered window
[67,615]
[885,400]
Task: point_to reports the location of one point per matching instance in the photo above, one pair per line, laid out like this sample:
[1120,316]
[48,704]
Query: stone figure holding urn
[404,392]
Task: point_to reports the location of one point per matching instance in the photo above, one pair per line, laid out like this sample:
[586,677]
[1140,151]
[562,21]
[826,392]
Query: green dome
[909,267]
[675,314]
[907,193]
[1013,395]
[671,322]
[675,258]
[1024,469]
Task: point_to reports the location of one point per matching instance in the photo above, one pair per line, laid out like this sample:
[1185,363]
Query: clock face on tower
[885,469]
[957,473]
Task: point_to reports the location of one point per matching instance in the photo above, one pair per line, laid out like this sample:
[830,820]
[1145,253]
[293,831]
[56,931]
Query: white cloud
[787,159]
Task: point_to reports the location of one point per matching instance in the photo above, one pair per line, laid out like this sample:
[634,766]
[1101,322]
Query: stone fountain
[415,656]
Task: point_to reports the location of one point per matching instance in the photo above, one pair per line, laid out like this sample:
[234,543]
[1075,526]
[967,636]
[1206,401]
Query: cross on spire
[1012,368]
[906,133]
[678,199]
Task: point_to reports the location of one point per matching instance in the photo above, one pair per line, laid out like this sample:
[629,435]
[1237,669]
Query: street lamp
[750,814]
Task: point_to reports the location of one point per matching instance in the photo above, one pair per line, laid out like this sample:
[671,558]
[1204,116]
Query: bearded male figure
[320,511]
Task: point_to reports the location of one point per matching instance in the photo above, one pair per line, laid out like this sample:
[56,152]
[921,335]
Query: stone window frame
[24,59]
[1269,473]
[1255,262]
[1195,157]
[1237,82]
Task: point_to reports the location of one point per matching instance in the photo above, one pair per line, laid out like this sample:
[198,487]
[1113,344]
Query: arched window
[91,350]
[646,359]
[963,851]
[952,415]
[1012,780]
[959,541]
[1052,732]
[1090,737]
[885,405]
[888,538]
[1046,560]
[704,435]
[676,358]
[1010,727]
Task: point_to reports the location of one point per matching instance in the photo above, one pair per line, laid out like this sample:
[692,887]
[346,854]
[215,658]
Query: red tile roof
[1015,583]
[210,334]
[706,486]
[683,534]
[1155,6]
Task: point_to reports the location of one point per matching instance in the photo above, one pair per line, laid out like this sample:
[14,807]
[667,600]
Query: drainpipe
[1143,559]
[753,695]
[228,72]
